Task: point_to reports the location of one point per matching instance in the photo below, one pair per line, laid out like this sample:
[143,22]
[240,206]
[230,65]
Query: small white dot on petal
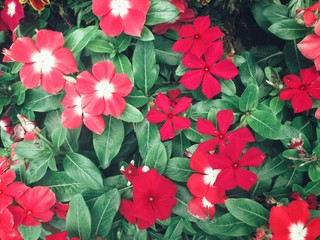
[297,231]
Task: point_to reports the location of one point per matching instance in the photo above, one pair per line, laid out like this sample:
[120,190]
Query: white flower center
[2,124]
[297,231]
[44,61]
[210,176]
[119,7]
[105,89]
[11,9]
[206,203]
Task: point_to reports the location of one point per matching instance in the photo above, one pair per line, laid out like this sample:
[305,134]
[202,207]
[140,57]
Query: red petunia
[221,137]
[36,204]
[60,209]
[300,89]
[45,61]
[293,222]
[103,92]
[9,189]
[119,16]
[310,199]
[310,46]
[5,125]
[231,163]
[204,71]
[73,115]
[164,112]
[12,13]
[153,198]
[197,38]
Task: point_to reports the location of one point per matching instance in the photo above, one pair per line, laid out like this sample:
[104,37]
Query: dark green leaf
[146,35]
[174,229]
[248,211]
[288,29]
[82,170]
[59,135]
[39,100]
[136,98]
[123,65]
[157,158]
[37,169]
[228,87]
[101,46]
[250,71]
[31,149]
[275,12]
[78,39]
[178,169]
[131,114]
[312,187]
[161,11]
[273,167]
[78,218]
[108,144]
[103,212]
[122,42]
[249,98]
[164,53]
[30,232]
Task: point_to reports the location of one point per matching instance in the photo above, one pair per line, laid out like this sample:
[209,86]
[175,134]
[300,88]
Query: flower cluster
[153,197]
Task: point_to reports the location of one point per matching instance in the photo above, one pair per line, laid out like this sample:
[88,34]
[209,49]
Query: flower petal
[310,46]
[214,53]
[52,81]
[93,104]
[245,179]
[301,102]
[86,83]
[253,158]
[111,25]
[133,22]
[104,71]
[71,117]
[163,102]
[298,211]
[101,7]
[114,106]
[23,49]
[197,186]
[224,120]
[166,131]
[309,75]
[29,76]
[155,116]
[196,208]
[224,69]
[64,61]
[210,86]
[183,45]
[94,123]
[192,79]
[186,31]
[49,40]
[205,126]
[226,179]
[191,61]
[122,84]
[313,229]
[182,105]
[201,24]
[180,123]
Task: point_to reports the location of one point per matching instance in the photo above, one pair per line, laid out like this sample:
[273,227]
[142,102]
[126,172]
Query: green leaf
[178,169]
[122,42]
[39,100]
[101,46]
[157,158]
[78,39]
[78,218]
[174,229]
[228,87]
[145,69]
[226,225]
[103,212]
[30,232]
[250,70]
[265,124]
[59,135]
[276,105]
[273,167]
[31,149]
[248,211]
[164,53]
[136,98]
[288,29]
[312,187]
[183,196]
[275,12]
[131,114]
[147,136]
[249,98]
[37,169]
[82,170]
[314,172]
[146,35]
[123,65]
[161,11]
[108,144]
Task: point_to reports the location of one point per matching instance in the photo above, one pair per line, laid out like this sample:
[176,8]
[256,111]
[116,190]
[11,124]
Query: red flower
[164,112]
[12,13]
[6,222]
[204,70]
[199,183]
[309,14]
[103,92]
[231,164]
[131,171]
[153,198]
[73,114]
[119,16]
[45,61]
[36,206]
[310,46]
[5,125]
[292,222]
[38,4]
[300,89]
[203,207]
[310,199]
[186,15]
[60,236]
[60,209]
[9,189]
[173,95]
[221,137]
[197,38]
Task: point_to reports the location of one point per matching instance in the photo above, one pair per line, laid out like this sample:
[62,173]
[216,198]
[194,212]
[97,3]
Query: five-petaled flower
[45,60]
[12,13]
[221,137]
[103,92]
[204,71]
[293,222]
[119,16]
[164,112]
[300,89]
[231,163]
[197,38]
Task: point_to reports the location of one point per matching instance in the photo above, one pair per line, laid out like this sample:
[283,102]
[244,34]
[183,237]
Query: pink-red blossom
[12,13]
[102,91]
[5,125]
[293,222]
[197,38]
[221,136]
[45,60]
[119,16]
[205,70]
[310,14]
[169,115]
[301,89]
